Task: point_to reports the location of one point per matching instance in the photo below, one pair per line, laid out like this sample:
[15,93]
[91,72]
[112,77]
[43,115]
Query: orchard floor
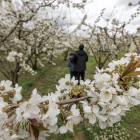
[45,81]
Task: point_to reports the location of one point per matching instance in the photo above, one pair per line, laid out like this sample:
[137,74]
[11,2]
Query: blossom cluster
[115,22]
[104,100]
[18,57]
[12,55]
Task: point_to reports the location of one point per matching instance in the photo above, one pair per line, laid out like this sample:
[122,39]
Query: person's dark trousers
[72,73]
[78,74]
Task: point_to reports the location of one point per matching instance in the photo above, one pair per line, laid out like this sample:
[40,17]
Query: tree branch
[73,100]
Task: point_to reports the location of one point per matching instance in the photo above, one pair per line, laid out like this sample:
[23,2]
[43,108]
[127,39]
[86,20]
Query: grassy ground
[45,82]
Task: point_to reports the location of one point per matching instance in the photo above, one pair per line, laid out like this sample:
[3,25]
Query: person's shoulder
[76,53]
[85,52]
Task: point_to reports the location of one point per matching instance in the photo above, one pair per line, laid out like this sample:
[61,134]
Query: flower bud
[62,90]
[5,109]
[84,85]
[2,88]
[10,124]
[67,83]
[88,87]
[60,98]
[11,93]
[71,83]
[46,107]
[130,4]
[47,101]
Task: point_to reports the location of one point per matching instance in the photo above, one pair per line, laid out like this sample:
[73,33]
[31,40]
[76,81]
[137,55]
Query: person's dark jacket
[71,64]
[80,59]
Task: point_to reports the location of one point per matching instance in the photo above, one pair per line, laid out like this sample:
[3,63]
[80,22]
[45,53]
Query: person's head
[81,47]
[71,54]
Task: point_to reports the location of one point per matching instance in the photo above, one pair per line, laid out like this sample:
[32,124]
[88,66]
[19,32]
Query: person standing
[80,58]
[71,65]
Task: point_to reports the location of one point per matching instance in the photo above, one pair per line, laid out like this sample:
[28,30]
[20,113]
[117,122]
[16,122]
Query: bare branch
[73,100]
[4,74]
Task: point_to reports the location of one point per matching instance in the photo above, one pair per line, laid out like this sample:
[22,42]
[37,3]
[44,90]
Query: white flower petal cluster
[28,68]
[115,22]
[65,83]
[29,108]
[12,54]
[113,101]
[91,112]
[5,86]
[112,93]
[50,119]
[17,96]
[74,119]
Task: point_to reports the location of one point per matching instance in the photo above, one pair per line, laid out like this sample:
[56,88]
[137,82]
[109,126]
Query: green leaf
[41,128]
[129,67]
[136,63]
[121,69]
[135,73]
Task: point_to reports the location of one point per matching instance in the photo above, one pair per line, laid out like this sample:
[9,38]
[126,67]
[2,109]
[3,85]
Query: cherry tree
[23,34]
[108,40]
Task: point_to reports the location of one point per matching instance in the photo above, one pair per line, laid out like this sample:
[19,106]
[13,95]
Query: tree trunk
[66,54]
[35,66]
[116,56]
[14,79]
[14,75]
[35,62]
[101,65]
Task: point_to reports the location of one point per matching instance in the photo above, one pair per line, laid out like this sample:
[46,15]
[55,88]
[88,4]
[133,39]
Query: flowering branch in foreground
[113,91]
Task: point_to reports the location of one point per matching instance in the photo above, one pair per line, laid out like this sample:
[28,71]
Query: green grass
[45,81]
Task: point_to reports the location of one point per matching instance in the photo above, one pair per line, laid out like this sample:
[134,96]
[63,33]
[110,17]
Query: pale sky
[93,9]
